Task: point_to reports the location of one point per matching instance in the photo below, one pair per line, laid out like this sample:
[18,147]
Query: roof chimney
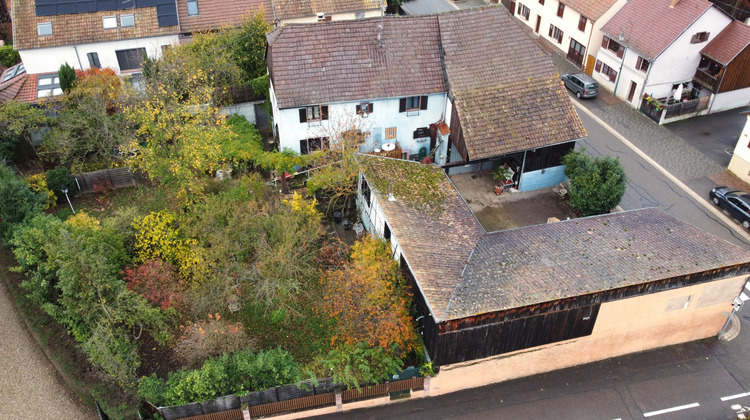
[673,4]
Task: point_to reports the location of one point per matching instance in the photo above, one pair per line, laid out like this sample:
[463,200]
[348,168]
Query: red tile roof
[289,9]
[80,28]
[216,14]
[592,9]
[506,90]
[734,39]
[10,89]
[344,61]
[652,25]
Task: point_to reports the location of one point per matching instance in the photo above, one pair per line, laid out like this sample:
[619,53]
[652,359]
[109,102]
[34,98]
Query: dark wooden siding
[737,73]
[547,157]
[457,134]
[426,322]
[499,332]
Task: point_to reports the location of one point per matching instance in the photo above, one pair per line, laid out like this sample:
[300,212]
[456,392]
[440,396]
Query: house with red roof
[573,26]
[652,51]
[467,89]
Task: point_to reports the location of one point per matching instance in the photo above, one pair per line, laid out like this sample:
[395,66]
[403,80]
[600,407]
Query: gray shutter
[402,105]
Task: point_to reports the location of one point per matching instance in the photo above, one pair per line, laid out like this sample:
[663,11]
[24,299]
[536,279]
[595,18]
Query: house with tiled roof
[310,11]
[467,89]
[528,300]
[573,26]
[651,50]
[16,84]
[96,33]
[724,69]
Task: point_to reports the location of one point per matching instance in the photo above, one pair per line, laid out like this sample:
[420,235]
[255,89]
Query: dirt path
[30,387]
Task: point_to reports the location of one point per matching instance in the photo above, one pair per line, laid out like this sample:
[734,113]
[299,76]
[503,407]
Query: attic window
[109,22]
[699,37]
[48,85]
[192,7]
[127,21]
[13,72]
[44,29]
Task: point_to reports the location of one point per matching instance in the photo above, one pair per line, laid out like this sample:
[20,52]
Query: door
[538,23]
[631,93]
[576,52]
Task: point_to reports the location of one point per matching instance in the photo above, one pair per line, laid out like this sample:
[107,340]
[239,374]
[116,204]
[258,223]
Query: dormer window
[109,22]
[44,29]
[192,7]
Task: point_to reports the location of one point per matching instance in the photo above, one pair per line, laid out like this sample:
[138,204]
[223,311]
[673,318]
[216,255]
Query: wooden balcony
[705,79]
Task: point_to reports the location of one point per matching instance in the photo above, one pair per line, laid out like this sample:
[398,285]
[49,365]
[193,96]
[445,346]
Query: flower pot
[499,189]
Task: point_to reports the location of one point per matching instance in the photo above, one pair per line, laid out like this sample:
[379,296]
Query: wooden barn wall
[457,134]
[426,322]
[504,337]
[737,75]
[547,157]
[593,298]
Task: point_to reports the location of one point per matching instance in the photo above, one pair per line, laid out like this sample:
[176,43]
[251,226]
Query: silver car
[583,85]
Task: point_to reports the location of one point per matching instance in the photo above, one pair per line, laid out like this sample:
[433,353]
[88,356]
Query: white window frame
[109,22]
[44,29]
[129,23]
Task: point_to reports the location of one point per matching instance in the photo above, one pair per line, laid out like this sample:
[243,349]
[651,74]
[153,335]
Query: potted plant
[503,176]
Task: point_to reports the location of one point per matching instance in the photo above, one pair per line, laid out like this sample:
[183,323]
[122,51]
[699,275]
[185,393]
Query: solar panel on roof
[166,12]
[64,7]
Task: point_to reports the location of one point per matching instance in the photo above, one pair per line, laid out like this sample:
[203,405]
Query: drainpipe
[79,58]
[523,166]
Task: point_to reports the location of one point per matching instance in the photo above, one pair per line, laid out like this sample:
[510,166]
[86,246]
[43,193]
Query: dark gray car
[583,85]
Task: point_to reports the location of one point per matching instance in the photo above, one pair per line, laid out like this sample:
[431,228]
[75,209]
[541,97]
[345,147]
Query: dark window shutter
[402,105]
[620,51]
[423,103]
[612,75]
[303,147]
[550,30]
[598,66]
[303,115]
[94,60]
[359,109]
[324,112]
[639,62]
[605,42]
[369,107]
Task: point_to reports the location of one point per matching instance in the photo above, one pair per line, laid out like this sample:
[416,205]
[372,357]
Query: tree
[16,120]
[8,56]
[17,201]
[67,77]
[250,47]
[596,184]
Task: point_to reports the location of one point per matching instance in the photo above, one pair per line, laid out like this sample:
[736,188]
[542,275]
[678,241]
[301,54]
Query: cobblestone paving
[29,385]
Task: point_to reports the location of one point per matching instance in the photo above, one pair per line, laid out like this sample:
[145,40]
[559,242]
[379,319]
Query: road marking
[727,220]
[670,410]
[735,396]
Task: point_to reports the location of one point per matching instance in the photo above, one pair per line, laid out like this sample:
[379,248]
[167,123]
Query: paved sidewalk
[29,385]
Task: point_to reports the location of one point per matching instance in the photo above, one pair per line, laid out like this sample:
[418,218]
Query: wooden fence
[229,407]
[104,180]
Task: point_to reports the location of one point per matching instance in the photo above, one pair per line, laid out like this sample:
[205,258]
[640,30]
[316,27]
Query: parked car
[736,203]
[583,85]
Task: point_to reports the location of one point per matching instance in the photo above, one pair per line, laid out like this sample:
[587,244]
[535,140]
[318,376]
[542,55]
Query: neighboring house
[92,33]
[469,88]
[652,48]
[210,15]
[573,26]
[16,84]
[740,163]
[285,12]
[533,299]
[724,69]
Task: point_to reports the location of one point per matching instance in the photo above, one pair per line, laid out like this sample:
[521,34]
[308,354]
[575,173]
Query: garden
[188,287]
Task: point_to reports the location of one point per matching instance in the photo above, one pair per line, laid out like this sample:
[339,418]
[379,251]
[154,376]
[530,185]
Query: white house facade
[637,57]
[740,163]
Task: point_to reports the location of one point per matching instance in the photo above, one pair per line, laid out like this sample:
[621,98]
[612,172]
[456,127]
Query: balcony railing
[703,77]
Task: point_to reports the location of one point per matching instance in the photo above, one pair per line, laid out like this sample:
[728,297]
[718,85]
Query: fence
[685,107]
[106,179]
[283,399]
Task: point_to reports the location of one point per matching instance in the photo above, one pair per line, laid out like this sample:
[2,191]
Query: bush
[59,177]
[38,183]
[17,201]
[596,184]
[8,56]
[67,77]
[155,280]
[210,337]
[238,373]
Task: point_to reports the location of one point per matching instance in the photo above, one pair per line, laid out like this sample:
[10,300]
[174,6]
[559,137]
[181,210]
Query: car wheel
[746,224]
[715,200]
[578,95]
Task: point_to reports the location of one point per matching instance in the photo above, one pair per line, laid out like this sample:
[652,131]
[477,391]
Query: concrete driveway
[510,209]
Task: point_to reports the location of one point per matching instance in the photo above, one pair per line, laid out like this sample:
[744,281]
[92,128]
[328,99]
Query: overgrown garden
[187,287]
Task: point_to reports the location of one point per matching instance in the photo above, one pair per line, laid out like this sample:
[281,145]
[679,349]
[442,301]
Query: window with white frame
[127,21]
[613,46]
[109,22]
[642,64]
[523,11]
[192,7]
[44,29]
[313,113]
[555,33]
[607,70]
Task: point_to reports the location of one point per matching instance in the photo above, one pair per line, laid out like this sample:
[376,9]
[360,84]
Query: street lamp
[621,37]
[64,190]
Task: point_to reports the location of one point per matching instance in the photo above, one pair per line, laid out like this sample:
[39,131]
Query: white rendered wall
[595,42]
[342,116]
[740,164]
[49,60]
[335,16]
[730,100]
